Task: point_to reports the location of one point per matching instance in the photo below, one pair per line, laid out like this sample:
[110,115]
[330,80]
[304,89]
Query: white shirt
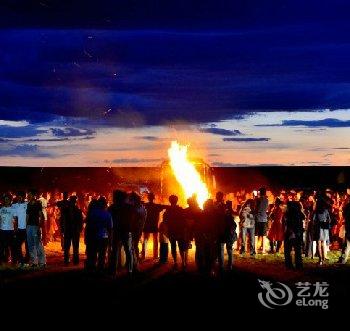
[44,205]
[21,213]
[7,215]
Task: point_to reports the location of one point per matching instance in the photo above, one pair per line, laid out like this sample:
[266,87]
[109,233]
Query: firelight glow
[186,173]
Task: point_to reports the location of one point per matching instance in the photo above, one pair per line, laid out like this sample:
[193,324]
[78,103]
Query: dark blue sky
[95,64]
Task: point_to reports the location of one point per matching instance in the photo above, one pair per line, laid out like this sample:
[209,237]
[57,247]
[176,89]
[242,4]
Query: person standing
[72,229]
[346,250]
[175,221]
[276,232]
[247,225]
[151,225]
[193,216]
[63,207]
[122,213]
[99,227]
[7,230]
[293,236]
[137,225]
[20,208]
[230,235]
[262,205]
[45,231]
[322,222]
[35,220]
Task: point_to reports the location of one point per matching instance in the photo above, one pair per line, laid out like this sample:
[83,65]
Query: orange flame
[186,173]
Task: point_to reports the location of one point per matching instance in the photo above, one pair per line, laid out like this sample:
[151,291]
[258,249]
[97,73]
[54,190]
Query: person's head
[208,205]
[173,199]
[192,202]
[134,199]
[7,199]
[321,205]
[150,196]
[32,194]
[278,202]
[73,200]
[21,195]
[102,202]
[119,196]
[219,197]
[262,191]
[249,203]
[65,195]
[228,205]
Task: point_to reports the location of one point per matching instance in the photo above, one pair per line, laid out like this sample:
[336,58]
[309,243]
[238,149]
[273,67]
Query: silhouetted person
[63,206]
[151,225]
[122,214]
[35,219]
[229,237]
[193,216]
[73,225]
[276,232]
[98,234]
[208,236]
[346,250]
[176,224]
[137,224]
[293,236]
[220,220]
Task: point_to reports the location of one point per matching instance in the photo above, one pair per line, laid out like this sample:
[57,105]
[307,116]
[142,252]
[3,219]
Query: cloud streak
[246,139]
[221,132]
[323,123]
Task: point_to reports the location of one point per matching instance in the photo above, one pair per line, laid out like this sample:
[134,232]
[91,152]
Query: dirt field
[236,290]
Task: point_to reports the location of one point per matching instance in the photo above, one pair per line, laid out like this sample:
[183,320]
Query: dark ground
[158,290]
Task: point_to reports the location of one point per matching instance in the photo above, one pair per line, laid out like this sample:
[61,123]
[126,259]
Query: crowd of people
[118,227]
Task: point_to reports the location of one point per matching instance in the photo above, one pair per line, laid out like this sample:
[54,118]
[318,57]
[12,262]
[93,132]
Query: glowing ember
[186,173]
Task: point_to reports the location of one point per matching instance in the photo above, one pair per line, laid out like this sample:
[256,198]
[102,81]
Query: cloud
[342,148]
[71,132]
[196,77]
[327,122]
[135,160]
[246,139]
[7,131]
[221,132]
[152,138]
[25,151]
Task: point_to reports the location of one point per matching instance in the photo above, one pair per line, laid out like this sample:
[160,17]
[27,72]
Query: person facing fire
[262,205]
[293,236]
[220,219]
[99,227]
[151,225]
[208,233]
[276,232]
[121,212]
[175,221]
[63,207]
[73,225]
[137,224]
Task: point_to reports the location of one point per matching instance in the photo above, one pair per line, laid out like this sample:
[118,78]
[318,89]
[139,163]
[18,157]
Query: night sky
[98,83]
